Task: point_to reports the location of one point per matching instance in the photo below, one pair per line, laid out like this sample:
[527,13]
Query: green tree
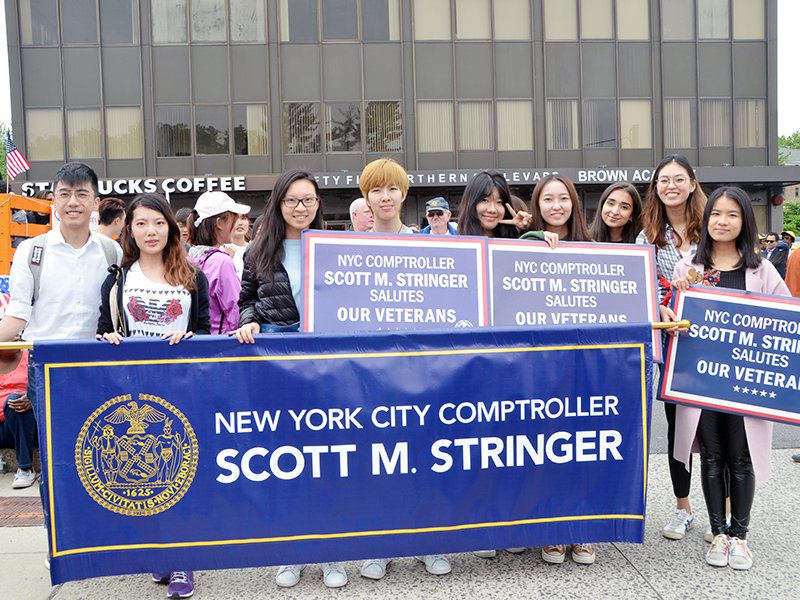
[3,132]
[789,141]
[791,217]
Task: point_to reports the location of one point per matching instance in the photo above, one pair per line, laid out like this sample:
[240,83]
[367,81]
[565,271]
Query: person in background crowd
[762,243]
[437,211]
[211,225]
[112,216]
[619,214]
[793,274]
[777,252]
[788,237]
[384,184]
[556,212]
[361,218]
[240,238]
[673,217]
[486,208]
[272,291]
[155,272]
[770,241]
[414,228]
[740,445]
[181,217]
[17,419]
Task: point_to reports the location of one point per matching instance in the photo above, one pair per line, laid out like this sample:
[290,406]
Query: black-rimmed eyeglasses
[293,202]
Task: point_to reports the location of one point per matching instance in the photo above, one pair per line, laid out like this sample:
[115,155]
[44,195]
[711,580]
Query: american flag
[15,162]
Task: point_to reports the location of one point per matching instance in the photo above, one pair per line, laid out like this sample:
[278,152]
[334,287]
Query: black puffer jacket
[264,302]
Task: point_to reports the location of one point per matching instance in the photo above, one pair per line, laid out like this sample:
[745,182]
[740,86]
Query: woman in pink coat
[742,445]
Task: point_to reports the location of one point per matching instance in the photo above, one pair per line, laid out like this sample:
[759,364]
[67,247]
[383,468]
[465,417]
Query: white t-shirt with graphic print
[154,309]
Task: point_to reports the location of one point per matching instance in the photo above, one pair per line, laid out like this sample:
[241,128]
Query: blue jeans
[270,328]
[18,431]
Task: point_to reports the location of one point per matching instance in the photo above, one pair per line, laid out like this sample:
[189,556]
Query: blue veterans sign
[531,285]
[741,354]
[369,281]
[320,447]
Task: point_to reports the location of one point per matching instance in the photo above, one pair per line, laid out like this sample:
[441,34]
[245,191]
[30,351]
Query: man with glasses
[777,253]
[771,241]
[788,237]
[437,211]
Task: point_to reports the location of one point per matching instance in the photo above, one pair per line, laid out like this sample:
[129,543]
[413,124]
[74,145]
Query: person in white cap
[210,225]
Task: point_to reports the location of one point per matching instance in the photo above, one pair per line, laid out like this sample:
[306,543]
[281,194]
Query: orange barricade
[8,228]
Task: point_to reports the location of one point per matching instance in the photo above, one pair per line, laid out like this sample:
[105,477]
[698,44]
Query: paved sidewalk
[659,568]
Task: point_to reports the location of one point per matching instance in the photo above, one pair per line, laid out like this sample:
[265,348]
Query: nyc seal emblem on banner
[136,458]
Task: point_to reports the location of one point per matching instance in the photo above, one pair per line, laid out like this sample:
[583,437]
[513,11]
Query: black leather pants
[723,443]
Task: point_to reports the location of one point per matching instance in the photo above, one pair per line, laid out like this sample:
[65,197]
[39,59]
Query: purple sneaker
[181,584]
[160,577]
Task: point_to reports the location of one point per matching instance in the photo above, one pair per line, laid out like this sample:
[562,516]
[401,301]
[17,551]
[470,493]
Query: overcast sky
[788,68]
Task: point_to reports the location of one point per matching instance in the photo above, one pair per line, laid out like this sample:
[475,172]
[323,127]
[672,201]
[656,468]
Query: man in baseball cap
[437,210]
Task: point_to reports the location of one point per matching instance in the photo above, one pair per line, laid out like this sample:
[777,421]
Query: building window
[343,128]
[340,19]
[301,120]
[380,20]
[383,125]
[599,124]
[83,130]
[514,125]
[475,126]
[512,20]
[173,131]
[250,129]
[713,19]
[124,132]
[751,123]
[748,19]
[169,21]
[248,21]
[118,22]
[211,129]
[633,20]
[298,20]
[597,19]
[562,125]
[208,21]
[38,22]
[432,20]
[680,118]
[635,123]
[79,22]
[715,123]
[560,19]
[44,134]
[435,126]
[473,20]
[677,20]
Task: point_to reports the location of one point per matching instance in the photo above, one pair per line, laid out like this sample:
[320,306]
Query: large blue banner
[741,354]
[320,447]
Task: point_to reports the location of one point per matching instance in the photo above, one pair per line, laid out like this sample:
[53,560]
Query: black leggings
[723,443]
[681,477]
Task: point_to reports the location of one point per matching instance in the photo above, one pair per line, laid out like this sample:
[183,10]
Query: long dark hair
[600,231]
[177,269]
[748,236]
[265,252]
[655,215]
[578,232]
[480,186]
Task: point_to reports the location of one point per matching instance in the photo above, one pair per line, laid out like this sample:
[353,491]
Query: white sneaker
[717,555]
[375,568]
[516,550]
[334,575]
[485,553]
[554,554]
[680,524]
[289,575]
[739,555]
[435,564]
[24,478]
[583,554]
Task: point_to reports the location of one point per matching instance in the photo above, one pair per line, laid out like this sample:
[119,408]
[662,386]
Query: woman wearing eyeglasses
[673,218]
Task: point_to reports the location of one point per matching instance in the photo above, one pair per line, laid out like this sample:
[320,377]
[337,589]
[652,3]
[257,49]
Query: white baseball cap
[211,204]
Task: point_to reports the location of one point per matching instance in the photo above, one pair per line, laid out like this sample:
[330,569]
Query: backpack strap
[109,249]
[35,258]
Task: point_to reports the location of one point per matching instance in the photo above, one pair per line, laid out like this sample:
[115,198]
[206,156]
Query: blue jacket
[450,228]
